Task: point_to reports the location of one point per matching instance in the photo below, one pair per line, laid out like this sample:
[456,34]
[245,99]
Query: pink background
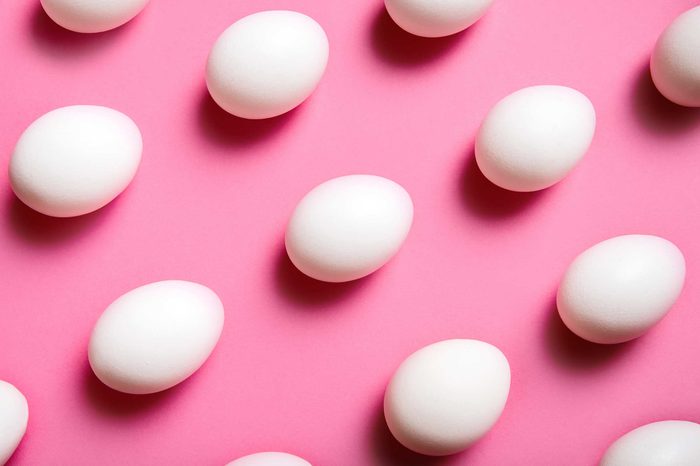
[301,366]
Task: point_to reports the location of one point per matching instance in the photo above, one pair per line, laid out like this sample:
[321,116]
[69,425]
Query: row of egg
[268,63]
[443,397]
[74,160]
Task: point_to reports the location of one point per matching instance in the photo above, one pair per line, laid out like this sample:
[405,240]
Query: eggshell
[348,227]
[664,443]
[447,395]
[269,459]
[267,63]
[14,414]
[675,66]
[75,160]
[92,15]
[618,289]
[155,336]
[430,18]
[534,137]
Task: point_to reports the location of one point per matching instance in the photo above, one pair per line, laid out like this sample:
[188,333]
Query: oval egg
[267,63]
[269,459]
[618,289]
[428,18]
[155,336]
[348,227]
[447,395]
[14,414]
[534,137]
[92,16]
[664,443]
[75,160]
[675,67]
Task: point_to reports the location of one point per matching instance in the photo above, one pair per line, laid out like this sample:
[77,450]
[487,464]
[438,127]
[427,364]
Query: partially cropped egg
[14,414]
[664,443]
[92,15]
[429,18]
[75,160]
[675,62]
[534,137]
[618,289]
[267,63]
[269,459]
[155,336]
[446,396]
[348,227]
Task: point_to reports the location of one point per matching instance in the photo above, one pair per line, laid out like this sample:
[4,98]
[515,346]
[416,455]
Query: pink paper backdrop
[301,366]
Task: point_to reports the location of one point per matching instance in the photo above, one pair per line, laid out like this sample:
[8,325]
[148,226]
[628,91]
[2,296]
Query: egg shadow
[228,130]
[43,230]
[387,451]
[488,201]
[111,403]
[300,289]
[398,47]
[58,41]
[17,457]
[569,350]
[655,112]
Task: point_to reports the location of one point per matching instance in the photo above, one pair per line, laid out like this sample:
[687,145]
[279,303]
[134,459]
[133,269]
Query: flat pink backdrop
[301,366]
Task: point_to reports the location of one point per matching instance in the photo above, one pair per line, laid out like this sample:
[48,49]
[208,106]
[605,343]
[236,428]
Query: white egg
[75,160]
[269,459]
[14,414]
[348,227]
[155,336]
[429,18]
[267,63]
[534,137]
[618,289]
[91,15]
[675,66]
[447,395]
[664,443]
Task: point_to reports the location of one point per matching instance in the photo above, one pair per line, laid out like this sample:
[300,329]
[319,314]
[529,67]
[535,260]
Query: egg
[75,160]
[675,67]
[620,288]
[428,18]
[92,16]
[14,414]
[269,459]
[267,63]
[446,396]
[664,443]
[348,227]
[534,137]
[155,336]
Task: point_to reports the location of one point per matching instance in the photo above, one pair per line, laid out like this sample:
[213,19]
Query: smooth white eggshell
[675,62]
[155,336]
[447,395]
[92,15]
[534,137]
[664,443]
[267,63]
[74,160]
[14,414]
[430,18]
[269,459]
[618,289]
[348,227]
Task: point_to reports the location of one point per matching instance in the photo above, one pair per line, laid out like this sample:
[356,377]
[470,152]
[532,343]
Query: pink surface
[301,366]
